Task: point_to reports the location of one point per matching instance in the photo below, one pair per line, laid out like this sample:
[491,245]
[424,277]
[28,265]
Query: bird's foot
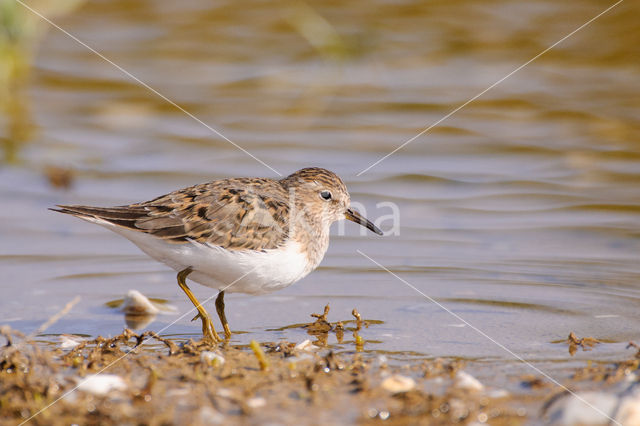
[208,330]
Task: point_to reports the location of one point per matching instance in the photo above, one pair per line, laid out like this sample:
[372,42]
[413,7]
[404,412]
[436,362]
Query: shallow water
[519,213]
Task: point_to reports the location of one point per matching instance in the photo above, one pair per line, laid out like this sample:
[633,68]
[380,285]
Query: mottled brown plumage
[229,213]
[235,213]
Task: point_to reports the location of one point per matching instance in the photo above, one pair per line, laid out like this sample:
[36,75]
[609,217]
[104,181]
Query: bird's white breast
[234,271]
[254,272]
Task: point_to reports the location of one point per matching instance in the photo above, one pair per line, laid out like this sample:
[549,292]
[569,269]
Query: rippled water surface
[519,214]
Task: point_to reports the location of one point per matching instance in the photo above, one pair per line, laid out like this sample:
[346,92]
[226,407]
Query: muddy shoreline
[145,378]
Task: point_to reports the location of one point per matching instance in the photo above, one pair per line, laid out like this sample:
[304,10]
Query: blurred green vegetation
[20,31]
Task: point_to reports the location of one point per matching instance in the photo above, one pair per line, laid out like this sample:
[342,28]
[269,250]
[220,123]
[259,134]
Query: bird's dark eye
[326,195]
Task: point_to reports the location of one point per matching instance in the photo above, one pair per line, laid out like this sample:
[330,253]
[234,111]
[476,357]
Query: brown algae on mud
[174,385]
[131,376]
[586,343]
[321,327]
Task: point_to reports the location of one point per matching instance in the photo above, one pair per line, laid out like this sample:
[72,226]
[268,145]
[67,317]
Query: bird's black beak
[354,216]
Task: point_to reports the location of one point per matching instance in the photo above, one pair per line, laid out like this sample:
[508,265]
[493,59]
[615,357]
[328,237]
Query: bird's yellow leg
[223,317]
[208,330]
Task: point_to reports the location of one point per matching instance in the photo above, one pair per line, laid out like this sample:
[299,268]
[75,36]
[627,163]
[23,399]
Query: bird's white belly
[253,272]
[234,271]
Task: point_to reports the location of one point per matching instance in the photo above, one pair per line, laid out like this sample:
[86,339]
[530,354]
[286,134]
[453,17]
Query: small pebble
[629,410]
[136,303]
[101,384]
[584,408]
[256,402]
[498,393]
[306,346]
[68,342]
[466,381]
[224,393]
[211,358]
[398,383]
[596,408]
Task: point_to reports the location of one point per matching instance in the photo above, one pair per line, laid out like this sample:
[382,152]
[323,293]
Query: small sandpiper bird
[245,235]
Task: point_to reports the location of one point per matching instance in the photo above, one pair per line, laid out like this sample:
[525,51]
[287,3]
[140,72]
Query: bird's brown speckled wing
[236,214]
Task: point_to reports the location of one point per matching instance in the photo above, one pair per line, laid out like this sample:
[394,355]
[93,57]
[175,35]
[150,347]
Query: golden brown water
[520,213]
